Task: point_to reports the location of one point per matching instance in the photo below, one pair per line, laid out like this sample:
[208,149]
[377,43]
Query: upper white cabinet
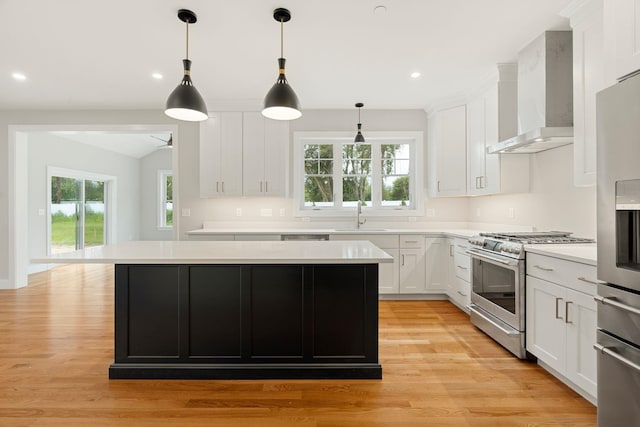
[243,154]
[447,152]
[588,78]
[622,28]
[221,155]
[265,156]
[491,118]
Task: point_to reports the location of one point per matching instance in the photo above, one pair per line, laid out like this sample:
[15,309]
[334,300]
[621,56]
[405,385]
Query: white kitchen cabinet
[412,264]
[265,156]
[435,261]
[622,25]
[447,152]
[491,118]
[561,318]
[588,78]
[459,273]
[221,155]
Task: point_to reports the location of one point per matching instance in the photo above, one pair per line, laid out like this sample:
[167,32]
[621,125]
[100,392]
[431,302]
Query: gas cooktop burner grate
[541,237]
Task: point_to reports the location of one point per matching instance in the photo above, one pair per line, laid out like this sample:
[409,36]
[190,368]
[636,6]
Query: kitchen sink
[360,230]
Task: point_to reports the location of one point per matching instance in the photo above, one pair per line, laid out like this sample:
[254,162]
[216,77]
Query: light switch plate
[238,211]
[266,212]
[431,212]
[186,212]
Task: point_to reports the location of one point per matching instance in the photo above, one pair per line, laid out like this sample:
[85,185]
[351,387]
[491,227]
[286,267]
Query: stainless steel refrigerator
[618,335]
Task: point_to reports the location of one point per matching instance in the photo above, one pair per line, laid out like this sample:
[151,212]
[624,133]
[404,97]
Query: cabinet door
[476,145]
[451,268]
[389,274]
[253,154]
[625,25]
[435,262]
[221,155]
[450,146]
[580,319]
[412,270]
[588,79]
[546,331]
[276,157]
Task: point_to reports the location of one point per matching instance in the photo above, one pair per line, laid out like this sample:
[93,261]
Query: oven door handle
[611,301]
[618,357]
[490,258]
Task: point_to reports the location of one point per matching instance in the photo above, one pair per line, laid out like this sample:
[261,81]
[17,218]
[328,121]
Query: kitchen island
[243,310]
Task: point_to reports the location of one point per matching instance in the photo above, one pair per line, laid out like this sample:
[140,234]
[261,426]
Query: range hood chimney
[545,96]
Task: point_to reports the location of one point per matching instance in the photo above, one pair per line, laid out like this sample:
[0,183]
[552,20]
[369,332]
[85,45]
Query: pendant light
[185,102]
[281,102]
[359,137]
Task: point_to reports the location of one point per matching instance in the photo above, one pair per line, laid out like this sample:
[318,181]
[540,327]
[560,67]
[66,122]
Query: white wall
[150,196]
[553,203]
[45,149]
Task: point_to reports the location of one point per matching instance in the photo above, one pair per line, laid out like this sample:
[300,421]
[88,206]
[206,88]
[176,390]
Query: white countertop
[464,233]
[586,253]
[233,252]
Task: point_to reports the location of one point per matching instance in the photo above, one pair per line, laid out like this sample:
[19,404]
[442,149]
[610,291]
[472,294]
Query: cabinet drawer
[460,245]
[462,263]
[383,241]
[574,275]
[411,241]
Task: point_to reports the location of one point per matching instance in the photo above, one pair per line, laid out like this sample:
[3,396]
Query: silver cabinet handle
[261,186]
[402,259]
[464,295]
[595,282]
[613,302]
[217,189]
[462,246]
[450,250]
[438,186]
[464,268]
[557,315]
[223,186]
[266,186]
[609,352]
[543,268]
[411,241]
[566,311]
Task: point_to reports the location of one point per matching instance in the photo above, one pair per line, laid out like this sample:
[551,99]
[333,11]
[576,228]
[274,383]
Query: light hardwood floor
[56,343]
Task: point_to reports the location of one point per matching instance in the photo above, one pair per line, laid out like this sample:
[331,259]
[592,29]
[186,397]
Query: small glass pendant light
[359,137]
[281,102]
[185,102]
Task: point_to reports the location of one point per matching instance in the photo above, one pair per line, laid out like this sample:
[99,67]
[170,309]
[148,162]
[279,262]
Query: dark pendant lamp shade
[281,102]
[359,137]
[185,102]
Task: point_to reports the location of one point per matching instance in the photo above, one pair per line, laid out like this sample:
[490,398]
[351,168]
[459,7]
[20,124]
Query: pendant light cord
[187,22]
[281,38]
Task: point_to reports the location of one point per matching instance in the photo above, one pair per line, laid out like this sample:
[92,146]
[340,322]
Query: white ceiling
[132,144]
[90,54]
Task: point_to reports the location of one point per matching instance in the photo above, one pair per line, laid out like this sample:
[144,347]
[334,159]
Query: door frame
[18,223]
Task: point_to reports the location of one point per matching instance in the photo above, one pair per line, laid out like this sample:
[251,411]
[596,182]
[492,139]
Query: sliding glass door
[77,209]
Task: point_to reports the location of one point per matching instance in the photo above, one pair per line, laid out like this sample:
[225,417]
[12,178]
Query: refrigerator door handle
[619,358]
[613,302]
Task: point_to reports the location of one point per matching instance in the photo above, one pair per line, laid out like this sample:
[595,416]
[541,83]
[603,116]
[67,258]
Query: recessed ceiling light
[157,76]
[380,10]
[19,76]
[415,75]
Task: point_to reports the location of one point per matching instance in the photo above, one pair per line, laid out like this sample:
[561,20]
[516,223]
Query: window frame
[162,199]
[415,139]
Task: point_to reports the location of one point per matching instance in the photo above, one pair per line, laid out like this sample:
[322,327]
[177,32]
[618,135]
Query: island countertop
[226,252]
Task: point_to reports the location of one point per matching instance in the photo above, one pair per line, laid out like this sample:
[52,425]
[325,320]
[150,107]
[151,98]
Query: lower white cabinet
[412,264]
[458,286]
[435,262]
[561,325]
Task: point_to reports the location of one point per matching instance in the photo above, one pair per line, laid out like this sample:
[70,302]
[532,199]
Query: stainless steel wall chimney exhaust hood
[545,96]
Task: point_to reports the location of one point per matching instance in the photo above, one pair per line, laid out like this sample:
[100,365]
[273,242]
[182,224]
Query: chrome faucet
[358,213]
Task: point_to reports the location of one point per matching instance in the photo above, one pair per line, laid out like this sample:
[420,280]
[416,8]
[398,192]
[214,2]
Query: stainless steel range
[498,283]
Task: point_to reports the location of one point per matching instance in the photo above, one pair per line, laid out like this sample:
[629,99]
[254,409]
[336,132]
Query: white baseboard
[4,284]
[412,297]
[38,268]
[591,399]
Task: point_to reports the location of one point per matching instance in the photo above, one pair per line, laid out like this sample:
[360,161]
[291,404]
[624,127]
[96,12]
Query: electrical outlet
[41,212]
[477,211]
[431,212]
[511,213]
[186,212]
[411,219]
[238,211]
[282,211]
[266,212]
[306,219]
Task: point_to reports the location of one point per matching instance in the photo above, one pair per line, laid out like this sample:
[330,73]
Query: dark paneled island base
[176,321]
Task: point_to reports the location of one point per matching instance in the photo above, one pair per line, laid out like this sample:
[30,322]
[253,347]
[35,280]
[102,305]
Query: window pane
[356,188]
[168,211]
[318,191]
[395,191]
[93,213]
[65,214]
